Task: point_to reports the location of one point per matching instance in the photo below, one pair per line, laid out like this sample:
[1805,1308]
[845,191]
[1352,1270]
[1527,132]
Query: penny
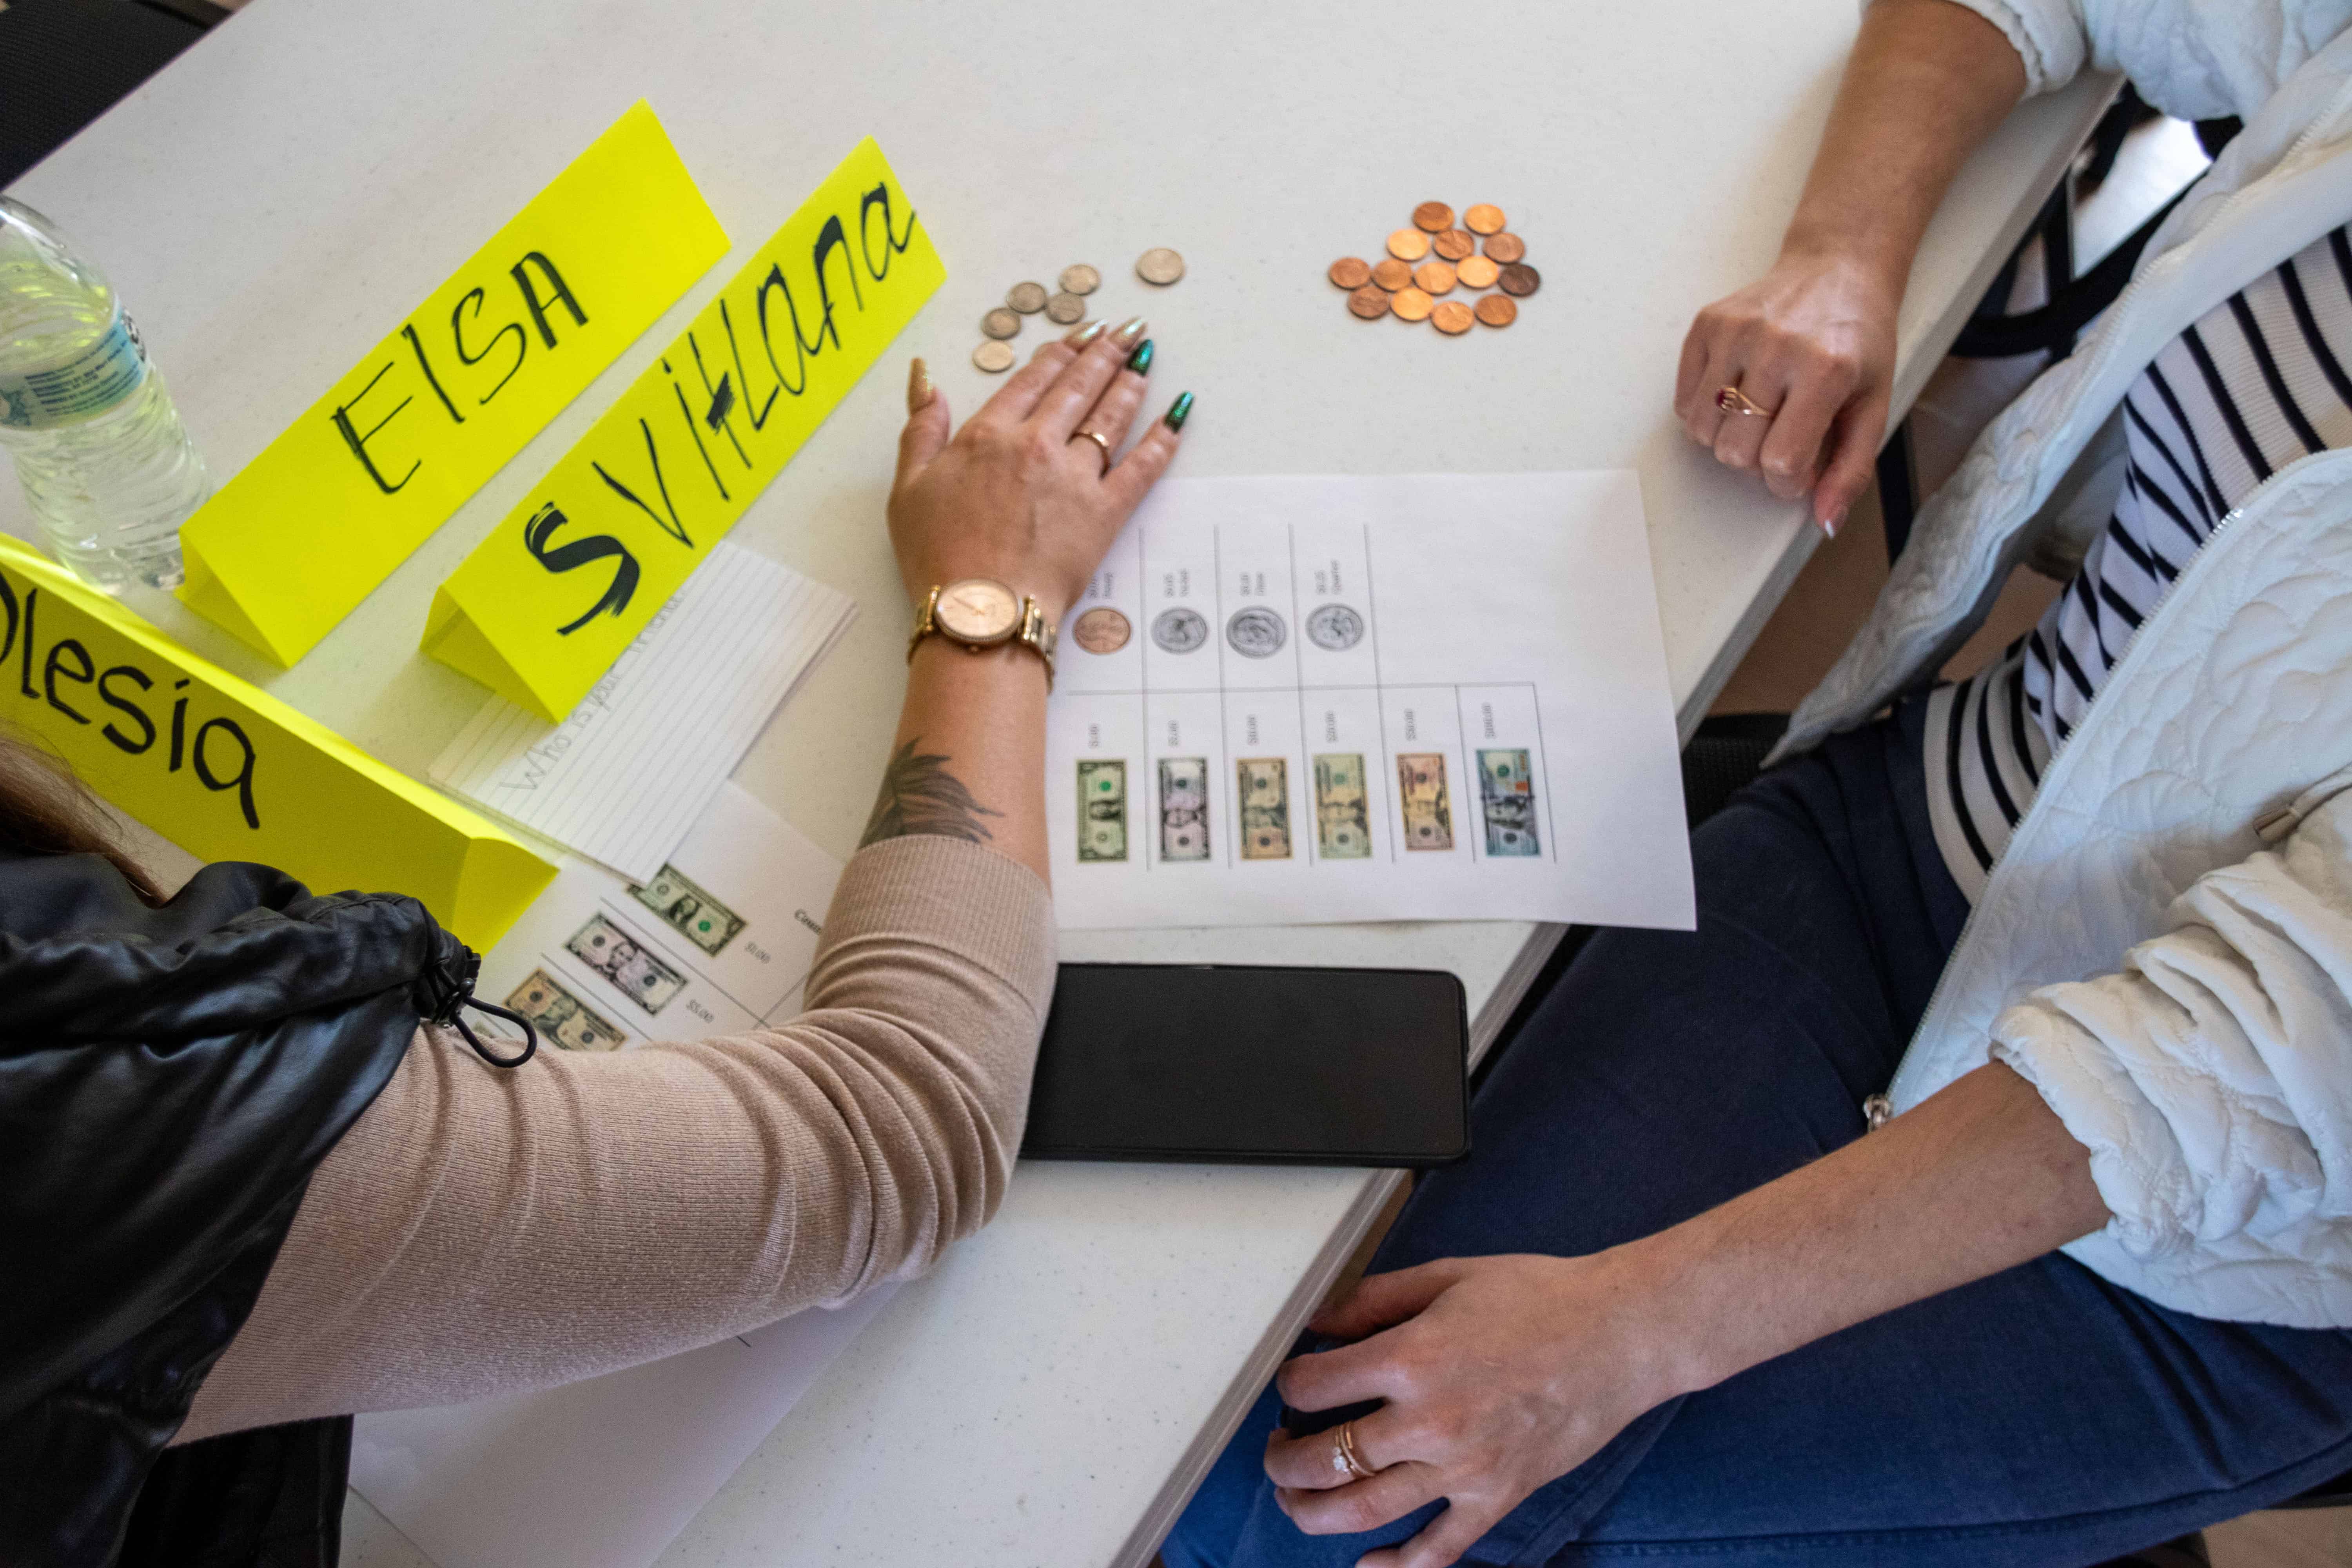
[1477,272]
[1101,630]
[1079,279]
[1351,272]
[1026,297]
[1412,304]
[1521,278]
[1160,266]
[1453,244]
[1393,274]
[1507,247]
[1408,245]
[999,323]
[1433,278]
[1371,301]
[1483,219]
[1498,309]
[1453,318]
[1433,217]
[993,357]
[1066,307]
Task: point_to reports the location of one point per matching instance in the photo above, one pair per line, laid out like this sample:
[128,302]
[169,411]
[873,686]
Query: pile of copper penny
[1410,281]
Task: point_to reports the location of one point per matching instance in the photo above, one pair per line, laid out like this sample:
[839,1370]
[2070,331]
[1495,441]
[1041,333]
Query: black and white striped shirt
[2262,379]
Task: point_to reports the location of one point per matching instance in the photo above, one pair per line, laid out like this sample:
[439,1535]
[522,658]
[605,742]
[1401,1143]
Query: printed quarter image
[1102,809]
[1183,808]
[634,973]
[1343,824]
[1265,806]
[1180,630]
[1507,792]
[1256,632]
[562,1019]
[1421,797]
[699,918]
[1335,627]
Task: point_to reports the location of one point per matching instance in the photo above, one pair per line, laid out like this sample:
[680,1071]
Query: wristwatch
[980,612]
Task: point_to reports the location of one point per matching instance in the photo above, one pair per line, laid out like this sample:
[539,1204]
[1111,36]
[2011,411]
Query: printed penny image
[1335,627]
[1408,245]
[1079,279]
[1521,278]
[1026,297]
[1483,218]
[1101,630]
[1066,307]
[1350,272]
[1256,632]
[993,357]
[1160,266]
[1506,248]
[1477,272]
[1498,309]
[999,323]
[1371,302]
[1433,217]
[1180,630]
[1412,304]
[1453,244]
[1453,318]
[1433,278]
[1393,274]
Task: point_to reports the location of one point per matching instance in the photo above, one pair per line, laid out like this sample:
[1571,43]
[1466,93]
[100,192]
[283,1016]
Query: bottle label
[93,380]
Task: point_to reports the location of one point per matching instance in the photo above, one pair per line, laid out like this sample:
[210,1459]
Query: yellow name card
[308,527]
[545,604]
[228,771]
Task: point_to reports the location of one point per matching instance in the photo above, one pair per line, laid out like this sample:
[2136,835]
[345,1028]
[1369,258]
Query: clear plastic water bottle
[95,441]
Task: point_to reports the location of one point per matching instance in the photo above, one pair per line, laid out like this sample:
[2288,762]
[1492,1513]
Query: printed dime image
[562,1019]
[699,918]
[1256,632]
[1421,797]
[634,973]
[1180,630]
[1335,627]
[1343,822]
[1102,809]
[1506,790]
[1183,808]
[1266,807]
[1101,630]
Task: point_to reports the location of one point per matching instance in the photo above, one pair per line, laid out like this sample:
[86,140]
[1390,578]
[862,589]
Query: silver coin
[1180,630]
[1256,633]
[1026,297]
[1079,279]
[993,357]
[1335,627]
[1065,309]
[1160,266]
[1001,323]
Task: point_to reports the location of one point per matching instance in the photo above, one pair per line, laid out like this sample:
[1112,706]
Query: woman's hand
[1019,494]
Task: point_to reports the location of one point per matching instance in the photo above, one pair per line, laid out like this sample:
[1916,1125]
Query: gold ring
[1345,1460]
[1099,439]
[1731,400]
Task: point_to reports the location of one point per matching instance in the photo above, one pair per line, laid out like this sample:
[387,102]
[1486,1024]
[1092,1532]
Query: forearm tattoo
[919,795]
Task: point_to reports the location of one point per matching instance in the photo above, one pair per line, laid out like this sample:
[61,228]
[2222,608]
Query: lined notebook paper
[627,775]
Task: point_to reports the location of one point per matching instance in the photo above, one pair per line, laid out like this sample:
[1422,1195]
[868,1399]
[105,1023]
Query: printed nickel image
[634,973]
[1256,632]
[1506,791]
[563,1019]
[1180,630]
[1420,797]
[1335,627]
[1266,807]
[695,914]
[1183,808]
[1343,821]
[1102,810]
[1101,630]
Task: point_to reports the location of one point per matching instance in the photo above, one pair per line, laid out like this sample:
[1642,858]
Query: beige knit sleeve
[480,1231]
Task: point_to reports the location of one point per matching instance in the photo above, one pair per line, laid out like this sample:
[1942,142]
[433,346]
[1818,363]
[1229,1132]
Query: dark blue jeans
[2040,1416]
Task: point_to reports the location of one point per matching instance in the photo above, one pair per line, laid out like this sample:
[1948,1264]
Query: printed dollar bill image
[1343,823]
[1266,807]
[1183,808]
[692,912]
[1421,797]
[562,1019]
[1102,810]
[1506,795]
[634,973]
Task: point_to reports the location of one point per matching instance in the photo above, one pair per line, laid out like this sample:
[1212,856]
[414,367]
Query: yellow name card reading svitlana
[543,605]
[308,527]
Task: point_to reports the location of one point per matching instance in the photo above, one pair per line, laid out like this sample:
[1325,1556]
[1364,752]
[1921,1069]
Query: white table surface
[270,203]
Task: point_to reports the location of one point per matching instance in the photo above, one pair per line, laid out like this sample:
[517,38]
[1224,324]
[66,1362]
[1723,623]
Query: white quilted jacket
[2165,947]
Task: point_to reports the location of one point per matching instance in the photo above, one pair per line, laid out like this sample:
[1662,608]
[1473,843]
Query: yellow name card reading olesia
[545,604]
[228,771]
[308,527]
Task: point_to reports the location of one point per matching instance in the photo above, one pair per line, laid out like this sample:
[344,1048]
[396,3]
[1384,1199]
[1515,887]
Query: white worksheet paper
[1445,695]
[628,773]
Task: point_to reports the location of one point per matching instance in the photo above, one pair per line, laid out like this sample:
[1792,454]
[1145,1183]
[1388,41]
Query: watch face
[977,609]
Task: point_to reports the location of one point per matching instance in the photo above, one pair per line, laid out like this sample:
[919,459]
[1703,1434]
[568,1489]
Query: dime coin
[1350,272]
[1256,632]
[999,323]
[1408,245]
[1079,279]
[1101,630]
[1371,301]
[1335,627]
[1412,304]
[1453,244]
[1521,278]
[993,357]
[1160,266]
[1453,318]
[1477,272]
[1433,278]
[1433,217]
[1506,248]
[1483,218]
[1026,297]
[1498,309]
[1393,274]
[1180,630]
[1066,309]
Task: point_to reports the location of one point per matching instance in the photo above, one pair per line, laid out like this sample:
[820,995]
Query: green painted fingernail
[1179,411]
[1139,361]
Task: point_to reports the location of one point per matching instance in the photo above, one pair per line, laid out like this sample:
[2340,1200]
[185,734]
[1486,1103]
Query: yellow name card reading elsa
[228,771]
[545,604]
[308,527]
